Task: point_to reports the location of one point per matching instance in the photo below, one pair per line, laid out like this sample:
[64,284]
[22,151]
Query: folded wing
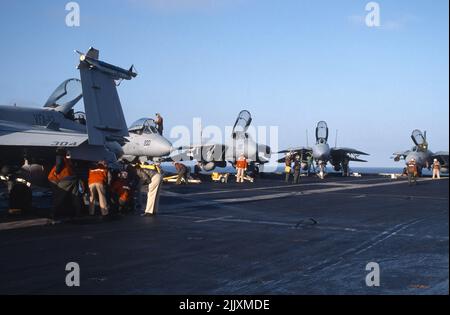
[341,154]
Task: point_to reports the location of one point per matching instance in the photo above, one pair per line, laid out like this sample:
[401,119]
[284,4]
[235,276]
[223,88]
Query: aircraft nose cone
[165,147]
[416,157]
[320,155]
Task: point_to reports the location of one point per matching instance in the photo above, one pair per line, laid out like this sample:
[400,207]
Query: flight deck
[268,237]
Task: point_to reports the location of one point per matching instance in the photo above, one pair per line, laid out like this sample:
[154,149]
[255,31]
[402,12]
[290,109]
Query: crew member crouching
[65,184]
[121,192]
[98,179]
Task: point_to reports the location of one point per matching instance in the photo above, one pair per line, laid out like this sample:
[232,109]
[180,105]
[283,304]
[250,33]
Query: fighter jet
[421,154]
[144,142]
[210,156]
[321,153]
[34,134]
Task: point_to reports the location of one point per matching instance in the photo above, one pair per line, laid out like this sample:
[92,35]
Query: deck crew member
[134,183]
[98,179]
[287,168]
[297,170]
[436,169]
[154,181]
[411,168]
[322,166]
[121,192]
[241,167]
[66,194]
[154,166]
[159,121]
[182,172]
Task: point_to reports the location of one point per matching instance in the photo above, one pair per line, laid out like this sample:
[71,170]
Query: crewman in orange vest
[121,191]
[411,168]
[241,167]
[65,186]
[98,179]
[436,169]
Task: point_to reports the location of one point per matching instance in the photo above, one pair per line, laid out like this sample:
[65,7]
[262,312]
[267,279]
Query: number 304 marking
[64,144]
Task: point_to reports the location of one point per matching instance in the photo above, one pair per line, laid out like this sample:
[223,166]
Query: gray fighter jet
[321,153]
[144,142]
[210,156]
[34,134]
[421,154]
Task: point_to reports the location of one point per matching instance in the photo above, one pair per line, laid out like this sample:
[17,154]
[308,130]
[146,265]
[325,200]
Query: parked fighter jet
[34,134]
[211,156]
[423,157]
[321,153]
[143,141]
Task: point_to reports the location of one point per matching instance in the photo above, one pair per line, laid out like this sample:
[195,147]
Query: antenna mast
[335,141]
[307,143]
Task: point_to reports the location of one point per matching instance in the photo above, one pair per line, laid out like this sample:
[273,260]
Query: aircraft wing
[401,153]
[201,153]
[442,157]
[14,134]
[296,150]
[299,150]
[397,156]
[339,154]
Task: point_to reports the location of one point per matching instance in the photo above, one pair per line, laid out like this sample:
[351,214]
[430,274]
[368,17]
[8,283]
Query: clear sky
[291,63]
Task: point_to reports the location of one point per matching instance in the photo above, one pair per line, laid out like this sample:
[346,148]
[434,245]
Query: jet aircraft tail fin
[104,115]
[93,53]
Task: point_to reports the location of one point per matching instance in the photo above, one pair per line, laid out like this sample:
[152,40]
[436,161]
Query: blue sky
[291,63]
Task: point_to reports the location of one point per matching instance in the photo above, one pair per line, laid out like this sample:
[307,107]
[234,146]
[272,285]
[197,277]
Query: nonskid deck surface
[262,238]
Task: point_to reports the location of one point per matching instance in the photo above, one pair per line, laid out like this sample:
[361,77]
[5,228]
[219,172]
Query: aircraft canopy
[322,132]
[242,123]
[66,95]
[143,125]
[419,139]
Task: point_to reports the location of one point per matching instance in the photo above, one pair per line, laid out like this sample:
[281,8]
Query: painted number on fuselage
[64,144]
[147,143]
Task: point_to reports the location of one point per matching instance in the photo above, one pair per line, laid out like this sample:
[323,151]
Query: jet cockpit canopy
[242,123]
[322,132]
[143,125]
[419,139]
[66,95]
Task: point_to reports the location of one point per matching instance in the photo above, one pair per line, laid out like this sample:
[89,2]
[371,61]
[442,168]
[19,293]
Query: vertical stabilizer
[104,115]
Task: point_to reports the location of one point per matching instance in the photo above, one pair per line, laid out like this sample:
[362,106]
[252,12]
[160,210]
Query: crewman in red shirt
[98,179]
[241,167]
[120,190]
[66,194]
